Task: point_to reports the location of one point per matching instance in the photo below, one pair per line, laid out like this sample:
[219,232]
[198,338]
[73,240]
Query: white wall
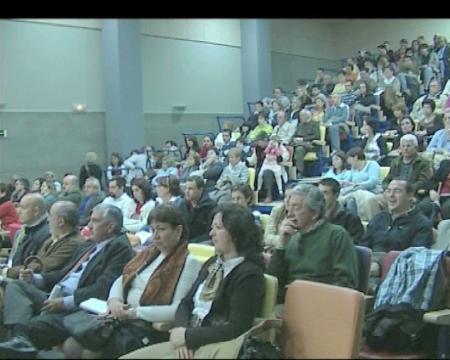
[357,34]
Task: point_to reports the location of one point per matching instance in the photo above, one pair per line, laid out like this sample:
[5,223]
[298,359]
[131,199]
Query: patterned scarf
[212,281]
[162,283]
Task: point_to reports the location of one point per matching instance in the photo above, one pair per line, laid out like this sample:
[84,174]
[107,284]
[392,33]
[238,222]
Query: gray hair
[68,211]
[313,198]
[409,138]
[112,214]
[94,182]
[306,112]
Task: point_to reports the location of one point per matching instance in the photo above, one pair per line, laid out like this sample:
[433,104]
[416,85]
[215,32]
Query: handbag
[255,348]
[90,330]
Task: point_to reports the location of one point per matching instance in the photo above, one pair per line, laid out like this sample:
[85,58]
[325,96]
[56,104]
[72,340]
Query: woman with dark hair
[227,295]
[116,167]
[362,183]
[191,146]
[338,170]
[208,143]
[142,193]
[37,183]
[406,127]
[149,290]
[243,195]
[22,188]
[373,143]
[168,190]
[8,214]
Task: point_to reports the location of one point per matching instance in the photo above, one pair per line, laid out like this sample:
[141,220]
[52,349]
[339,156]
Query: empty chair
[321,321]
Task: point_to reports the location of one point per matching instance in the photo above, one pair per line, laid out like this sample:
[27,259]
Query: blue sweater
[439,141]
[367,178]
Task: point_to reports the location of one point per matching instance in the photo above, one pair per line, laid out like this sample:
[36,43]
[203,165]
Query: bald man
[71,192]
[34,231]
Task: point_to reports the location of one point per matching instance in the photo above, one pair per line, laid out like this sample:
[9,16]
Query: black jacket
[212,174]
[348,221]
[198,219]
[100,272]
[410,229]
[33,240]
[237,302]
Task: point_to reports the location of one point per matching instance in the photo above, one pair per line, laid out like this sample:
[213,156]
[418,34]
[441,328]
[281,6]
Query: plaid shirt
[411,279]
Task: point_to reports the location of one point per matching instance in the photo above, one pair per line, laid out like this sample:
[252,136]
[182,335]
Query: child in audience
[272,153]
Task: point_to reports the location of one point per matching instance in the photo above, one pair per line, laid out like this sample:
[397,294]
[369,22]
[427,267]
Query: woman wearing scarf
[149,290]
[225,298]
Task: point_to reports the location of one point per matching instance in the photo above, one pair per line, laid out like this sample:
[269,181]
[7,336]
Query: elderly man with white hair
[307,131]
[408,166]
[311,248]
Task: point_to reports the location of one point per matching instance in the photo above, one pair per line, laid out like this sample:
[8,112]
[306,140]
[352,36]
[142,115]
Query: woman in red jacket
[9,219]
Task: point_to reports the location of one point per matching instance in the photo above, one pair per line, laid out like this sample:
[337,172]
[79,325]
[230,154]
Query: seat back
[321,321]
[251,177]
[270,296]
[364,255]
[384,171]
[387,262]
[201,252]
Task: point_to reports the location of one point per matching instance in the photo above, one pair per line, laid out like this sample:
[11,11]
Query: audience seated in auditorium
[227,144]
[32,234]
[428,66]
[408,166]
[335,120]
[406,127]
[434,94]
[168,167]
[196,208]
[263,126]
[284,129]
[373,143]
[236,172]
[226,297]
[324,254]
[142,193]
[93,195]
[440,142]
[282,99]
[90,168]
[243,195]
[119,198]
[70,190]
[272,162]
[335,213]
[50,176]
[365,104]
[191,164]
[115,167]
[168,190]
[8,213]
[211,169]
[362,183]
[58,249]
[338,169]
[136,164]
[277,215]
[191,146]
[431,122]
[400,226]
[171,150]
[22,187]
[35,319]
[252,120]
[307,131]
[391,86]
[208,143]
[48,191]
[149,290]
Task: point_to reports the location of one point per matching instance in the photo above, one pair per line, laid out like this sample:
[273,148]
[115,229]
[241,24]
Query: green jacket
[421,172]
[325,254]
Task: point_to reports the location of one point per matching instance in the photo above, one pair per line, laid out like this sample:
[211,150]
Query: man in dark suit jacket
[35,317]
[93,195]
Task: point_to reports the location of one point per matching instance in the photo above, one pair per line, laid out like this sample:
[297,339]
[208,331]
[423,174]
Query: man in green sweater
[310,248]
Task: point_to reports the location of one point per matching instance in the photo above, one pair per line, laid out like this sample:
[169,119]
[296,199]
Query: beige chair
[321,321]
[201,252]
[384,171]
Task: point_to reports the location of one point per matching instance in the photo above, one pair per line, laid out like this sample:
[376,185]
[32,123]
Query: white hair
[409,138]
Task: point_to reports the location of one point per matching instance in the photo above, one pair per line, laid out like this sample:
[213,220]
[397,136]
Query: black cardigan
[237,302]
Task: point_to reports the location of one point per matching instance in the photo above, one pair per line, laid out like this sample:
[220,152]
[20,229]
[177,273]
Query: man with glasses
[399,227]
